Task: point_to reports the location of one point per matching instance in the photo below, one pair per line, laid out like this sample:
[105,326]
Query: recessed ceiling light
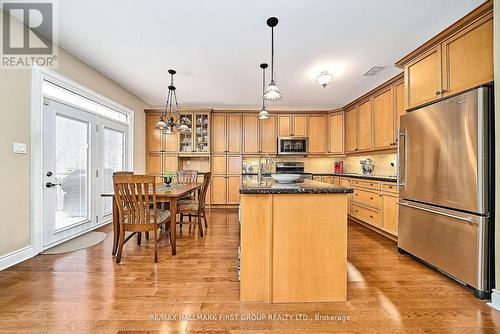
[374,70]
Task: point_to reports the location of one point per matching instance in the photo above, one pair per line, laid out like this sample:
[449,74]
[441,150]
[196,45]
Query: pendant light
[263,114]
[171,117]
[272,92]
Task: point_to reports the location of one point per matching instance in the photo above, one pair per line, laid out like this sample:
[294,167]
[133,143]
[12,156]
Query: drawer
[367,215]
[391,187]
[326,179]
[366,184]
[345,182]
[366,197]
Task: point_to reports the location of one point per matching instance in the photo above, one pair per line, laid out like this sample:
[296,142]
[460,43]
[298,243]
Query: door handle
[50,184]
[469,220]
[401,162]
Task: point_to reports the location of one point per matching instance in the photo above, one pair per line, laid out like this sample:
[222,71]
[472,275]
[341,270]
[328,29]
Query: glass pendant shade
[168,130]
[263,114]
[272,92]
[324,78]
[161,125]
[183,128]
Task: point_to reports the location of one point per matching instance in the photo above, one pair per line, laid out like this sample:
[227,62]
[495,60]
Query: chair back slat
[204,189]
[133,195]
[187,176]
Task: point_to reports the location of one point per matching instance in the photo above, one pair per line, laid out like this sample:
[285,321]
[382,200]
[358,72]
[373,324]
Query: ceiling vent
[374,70]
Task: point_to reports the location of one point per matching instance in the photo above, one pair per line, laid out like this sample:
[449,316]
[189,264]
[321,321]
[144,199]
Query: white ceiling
[216,46]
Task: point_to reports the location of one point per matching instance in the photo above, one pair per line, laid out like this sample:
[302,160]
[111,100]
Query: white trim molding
[495,299]
[15,257]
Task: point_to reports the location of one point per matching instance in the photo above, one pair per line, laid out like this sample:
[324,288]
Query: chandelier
[171,119]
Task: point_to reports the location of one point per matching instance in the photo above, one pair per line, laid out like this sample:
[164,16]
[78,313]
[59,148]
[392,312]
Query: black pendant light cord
[263,87]
[272,53]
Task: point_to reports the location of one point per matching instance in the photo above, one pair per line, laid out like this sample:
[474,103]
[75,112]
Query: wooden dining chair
[196,208]
[133,194]
[187,176]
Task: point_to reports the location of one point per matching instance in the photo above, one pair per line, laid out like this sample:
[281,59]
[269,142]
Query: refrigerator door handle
[469,220]
[401,162]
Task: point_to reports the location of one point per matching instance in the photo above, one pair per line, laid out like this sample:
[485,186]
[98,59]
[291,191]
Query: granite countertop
[269,186]
[367,177]
[353,175]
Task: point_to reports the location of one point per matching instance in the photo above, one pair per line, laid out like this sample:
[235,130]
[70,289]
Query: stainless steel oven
[292,145]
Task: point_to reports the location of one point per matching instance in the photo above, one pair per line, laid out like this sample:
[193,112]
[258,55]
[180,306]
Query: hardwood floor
[86,291]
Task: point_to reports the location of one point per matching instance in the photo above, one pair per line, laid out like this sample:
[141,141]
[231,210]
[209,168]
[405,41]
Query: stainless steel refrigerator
[446,180]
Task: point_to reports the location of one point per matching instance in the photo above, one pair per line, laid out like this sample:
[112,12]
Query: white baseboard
[495,299]
[20,255]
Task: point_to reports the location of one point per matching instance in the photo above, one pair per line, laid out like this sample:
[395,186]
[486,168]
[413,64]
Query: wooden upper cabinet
[299,125]
[423,78]
[218,165]
[399,106]
[317,134]
[468,57]
[233,133]
[267,135]
[336,131]
[364,126]
[459,58]
[250,134]
[234,164]
[383,119]
[351,123]
[285,125]
[154,136]
[292,125]
[219,138]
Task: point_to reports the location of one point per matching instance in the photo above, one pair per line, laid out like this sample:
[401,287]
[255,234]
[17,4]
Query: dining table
[164,194]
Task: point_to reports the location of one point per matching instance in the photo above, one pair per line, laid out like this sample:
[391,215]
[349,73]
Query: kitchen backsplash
[382,163]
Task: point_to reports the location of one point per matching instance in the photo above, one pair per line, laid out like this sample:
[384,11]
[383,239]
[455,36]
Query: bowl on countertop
[286,178]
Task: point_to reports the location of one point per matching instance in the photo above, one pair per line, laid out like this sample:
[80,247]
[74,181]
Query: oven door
[292,145]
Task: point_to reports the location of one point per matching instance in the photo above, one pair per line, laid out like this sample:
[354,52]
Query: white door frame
[38,75]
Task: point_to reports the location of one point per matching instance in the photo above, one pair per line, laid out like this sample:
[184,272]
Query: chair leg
[205,218]
[139,237]
[156,244]
[120,247]
[200,225]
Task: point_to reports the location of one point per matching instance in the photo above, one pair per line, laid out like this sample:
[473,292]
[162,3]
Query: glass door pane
[71,171]
[113,161]
[201,133]
[186,139]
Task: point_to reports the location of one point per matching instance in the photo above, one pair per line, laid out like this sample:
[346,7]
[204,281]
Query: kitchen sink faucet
[269,160]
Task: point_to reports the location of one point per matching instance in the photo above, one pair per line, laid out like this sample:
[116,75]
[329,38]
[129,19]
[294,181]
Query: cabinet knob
[443,91]
[438,92]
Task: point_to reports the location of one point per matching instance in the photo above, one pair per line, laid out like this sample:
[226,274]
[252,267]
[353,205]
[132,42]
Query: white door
[112,137]
[69,159]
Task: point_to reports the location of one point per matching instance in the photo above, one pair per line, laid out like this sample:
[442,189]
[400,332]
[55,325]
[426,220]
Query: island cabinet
[259,136]
[292,125]
[375,203]
[293,255]
[336,133]
[459,58]
[318,134]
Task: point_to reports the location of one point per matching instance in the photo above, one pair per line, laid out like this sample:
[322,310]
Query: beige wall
[15,90]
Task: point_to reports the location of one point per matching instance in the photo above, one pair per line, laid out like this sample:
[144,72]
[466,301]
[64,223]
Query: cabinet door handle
[371,216]
[371,198]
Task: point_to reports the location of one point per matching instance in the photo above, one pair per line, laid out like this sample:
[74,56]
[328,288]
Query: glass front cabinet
[197,140]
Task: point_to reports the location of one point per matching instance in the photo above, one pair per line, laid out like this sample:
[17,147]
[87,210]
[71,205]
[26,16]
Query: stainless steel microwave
[292,145]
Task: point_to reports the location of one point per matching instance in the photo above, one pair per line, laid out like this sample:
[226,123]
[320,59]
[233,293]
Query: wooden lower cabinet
[219,189]
[390,209]
[375,203]
[233,183]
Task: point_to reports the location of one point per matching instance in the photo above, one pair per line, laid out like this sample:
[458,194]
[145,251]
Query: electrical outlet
[188,163]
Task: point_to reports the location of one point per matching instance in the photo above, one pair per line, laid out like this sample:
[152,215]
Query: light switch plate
[19,148]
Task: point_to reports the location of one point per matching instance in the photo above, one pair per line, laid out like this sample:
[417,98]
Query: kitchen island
[293,241]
